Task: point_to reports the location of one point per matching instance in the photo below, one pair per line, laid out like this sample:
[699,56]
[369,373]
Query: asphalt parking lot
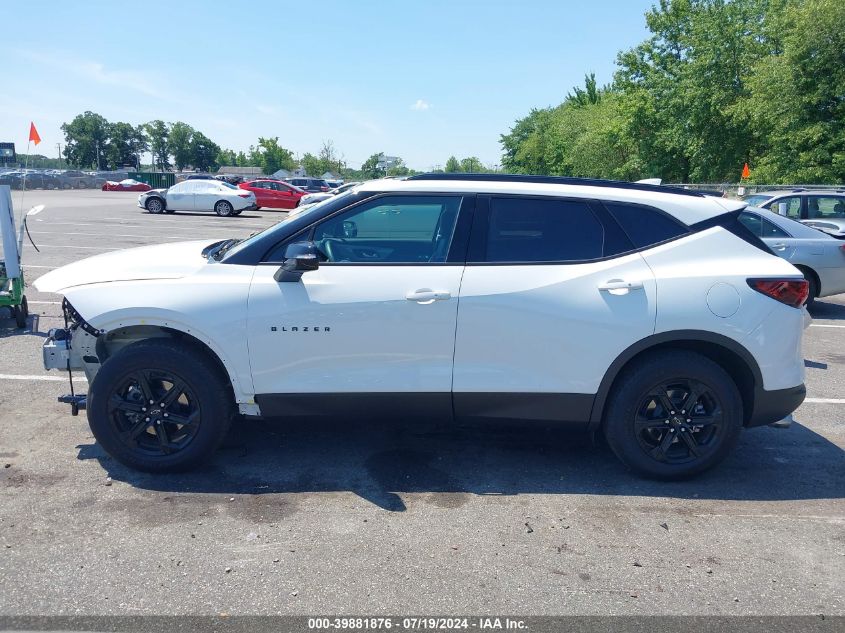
[344,517]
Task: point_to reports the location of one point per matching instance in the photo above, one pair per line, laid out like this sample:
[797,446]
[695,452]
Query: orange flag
[746,173]
[33,134]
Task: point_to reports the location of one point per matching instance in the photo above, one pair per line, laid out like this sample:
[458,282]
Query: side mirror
[299,258]
[782,208]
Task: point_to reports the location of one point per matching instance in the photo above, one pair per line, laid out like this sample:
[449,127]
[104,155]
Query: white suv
[649,313]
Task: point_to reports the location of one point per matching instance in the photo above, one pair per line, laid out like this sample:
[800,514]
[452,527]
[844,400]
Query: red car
[274,194]
[126,185]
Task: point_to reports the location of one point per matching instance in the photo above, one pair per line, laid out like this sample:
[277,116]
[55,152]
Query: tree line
[717,84]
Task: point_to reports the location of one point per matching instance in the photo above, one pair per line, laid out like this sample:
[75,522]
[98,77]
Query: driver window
[393,229]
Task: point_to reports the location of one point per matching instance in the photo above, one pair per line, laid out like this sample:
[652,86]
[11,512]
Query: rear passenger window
[644,225]
[534,230]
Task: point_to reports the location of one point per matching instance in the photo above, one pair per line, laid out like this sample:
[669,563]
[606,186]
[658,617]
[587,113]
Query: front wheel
[672,415]
[159,406]
[223,208]
[154,205]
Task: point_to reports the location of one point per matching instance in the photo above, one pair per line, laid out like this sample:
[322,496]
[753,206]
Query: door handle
[780,246]
[424,295]
[620,286]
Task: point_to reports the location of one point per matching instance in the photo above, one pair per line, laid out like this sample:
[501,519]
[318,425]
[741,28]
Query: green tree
[271,156]
[125,144]
[452,165]
[370,169]
[798,98]
[157,132]
[179,143]
[86,140]
[204,152]
[227,157]
[472,165]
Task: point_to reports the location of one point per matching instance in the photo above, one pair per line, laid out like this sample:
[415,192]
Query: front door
[378,317]
[180,197]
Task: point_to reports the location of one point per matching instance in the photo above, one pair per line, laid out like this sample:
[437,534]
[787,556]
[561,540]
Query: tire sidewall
[150,203]
[632,388]
[208,386]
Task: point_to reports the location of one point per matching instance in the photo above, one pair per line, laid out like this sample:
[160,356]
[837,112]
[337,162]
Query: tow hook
[76,401]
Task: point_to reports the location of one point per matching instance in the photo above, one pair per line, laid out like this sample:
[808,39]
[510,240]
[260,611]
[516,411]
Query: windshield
[226,184]
[311,208]
[757,199]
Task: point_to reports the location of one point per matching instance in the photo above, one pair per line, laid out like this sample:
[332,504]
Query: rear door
[549,299]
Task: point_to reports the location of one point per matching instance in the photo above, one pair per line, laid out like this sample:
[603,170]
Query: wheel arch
[162,199]
[809,270]
[735,359]
[124,334]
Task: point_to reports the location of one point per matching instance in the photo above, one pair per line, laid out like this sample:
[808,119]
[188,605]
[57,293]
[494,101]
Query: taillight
[324,188]
[792,292]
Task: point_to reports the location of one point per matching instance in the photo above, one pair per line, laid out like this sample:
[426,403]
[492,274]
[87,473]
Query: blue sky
[421,80]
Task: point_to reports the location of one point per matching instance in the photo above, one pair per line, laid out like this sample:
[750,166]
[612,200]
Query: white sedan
[198,195]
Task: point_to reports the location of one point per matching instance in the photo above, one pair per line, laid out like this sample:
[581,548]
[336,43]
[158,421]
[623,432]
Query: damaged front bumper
[72,348]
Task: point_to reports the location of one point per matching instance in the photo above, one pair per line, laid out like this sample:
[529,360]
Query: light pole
[59,148]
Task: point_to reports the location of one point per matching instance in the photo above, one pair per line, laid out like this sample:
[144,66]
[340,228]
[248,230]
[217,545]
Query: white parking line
[40,378]
[105,234]
[51,303]
[34,266]
[825,400]
[825,325]
[87,248]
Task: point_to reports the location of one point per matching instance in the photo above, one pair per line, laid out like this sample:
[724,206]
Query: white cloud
[420,104]
[96,72]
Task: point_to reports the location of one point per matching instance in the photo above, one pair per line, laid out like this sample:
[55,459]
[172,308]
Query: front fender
[213,314]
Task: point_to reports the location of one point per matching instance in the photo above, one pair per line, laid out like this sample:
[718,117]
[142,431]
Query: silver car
[819,256]
[822,209]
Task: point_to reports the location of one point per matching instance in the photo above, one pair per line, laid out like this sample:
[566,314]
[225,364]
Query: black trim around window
[456,254]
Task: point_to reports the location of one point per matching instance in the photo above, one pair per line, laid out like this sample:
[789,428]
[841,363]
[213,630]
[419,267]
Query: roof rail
[562,180]
[799,189]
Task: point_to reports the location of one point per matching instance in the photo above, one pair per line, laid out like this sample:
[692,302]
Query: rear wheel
[21,313]
[223,208]
[672,415]
[159,406]
[154,205]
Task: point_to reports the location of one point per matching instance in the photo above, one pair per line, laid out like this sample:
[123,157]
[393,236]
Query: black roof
[562,180]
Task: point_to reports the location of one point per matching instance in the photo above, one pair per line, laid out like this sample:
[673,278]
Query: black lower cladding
[771,406]
[569,408]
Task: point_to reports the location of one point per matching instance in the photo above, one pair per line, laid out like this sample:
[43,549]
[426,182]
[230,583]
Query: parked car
[126,185]
[647,313]
[232,179]
[73,179]
[200,177]
[311,198]
[274,194]
[334,184]
[819,257]
[311,185]
[198,195]
[821,209]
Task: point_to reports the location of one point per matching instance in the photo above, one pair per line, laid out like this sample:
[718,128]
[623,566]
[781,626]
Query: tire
[655,442]
[256,209]
[238,212]
[223,208]
[21,313]
[124,419]
[154,205]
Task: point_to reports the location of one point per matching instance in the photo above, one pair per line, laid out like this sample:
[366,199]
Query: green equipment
[11,274]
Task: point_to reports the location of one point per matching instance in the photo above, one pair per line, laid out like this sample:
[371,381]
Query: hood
[164,261]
